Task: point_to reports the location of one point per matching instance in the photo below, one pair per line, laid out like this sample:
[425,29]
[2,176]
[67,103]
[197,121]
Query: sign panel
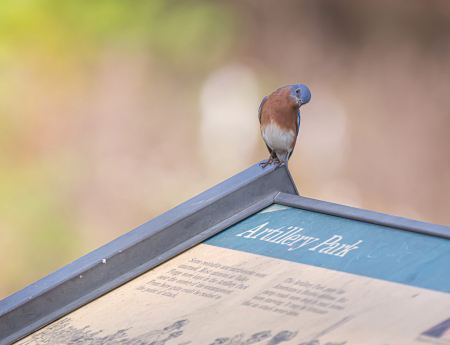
[284,275]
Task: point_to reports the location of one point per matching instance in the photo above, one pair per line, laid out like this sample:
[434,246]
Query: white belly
[277,139]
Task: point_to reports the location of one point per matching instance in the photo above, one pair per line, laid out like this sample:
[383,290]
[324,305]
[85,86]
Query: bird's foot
[279,163]
[268,162]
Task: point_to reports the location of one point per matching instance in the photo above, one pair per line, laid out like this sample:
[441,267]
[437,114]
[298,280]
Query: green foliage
[181,32]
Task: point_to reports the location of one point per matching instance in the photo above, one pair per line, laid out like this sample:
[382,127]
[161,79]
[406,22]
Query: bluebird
[279,116]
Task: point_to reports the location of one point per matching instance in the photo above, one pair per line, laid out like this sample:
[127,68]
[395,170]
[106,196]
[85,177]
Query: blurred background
[114,111]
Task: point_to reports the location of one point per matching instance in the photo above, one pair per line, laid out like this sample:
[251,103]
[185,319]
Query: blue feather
[259,110]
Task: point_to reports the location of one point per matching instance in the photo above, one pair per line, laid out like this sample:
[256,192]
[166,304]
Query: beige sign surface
[213,295]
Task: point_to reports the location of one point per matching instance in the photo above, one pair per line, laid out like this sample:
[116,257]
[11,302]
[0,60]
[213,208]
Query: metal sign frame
[165,236]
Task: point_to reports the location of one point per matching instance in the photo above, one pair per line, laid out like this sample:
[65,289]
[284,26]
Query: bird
[279,117]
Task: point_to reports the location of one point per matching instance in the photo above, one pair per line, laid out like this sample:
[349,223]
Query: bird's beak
[299,103]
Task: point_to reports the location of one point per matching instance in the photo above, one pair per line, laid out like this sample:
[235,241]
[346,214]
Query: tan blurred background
[114,111]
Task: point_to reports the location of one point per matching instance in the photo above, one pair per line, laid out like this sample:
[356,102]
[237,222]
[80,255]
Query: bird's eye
[297,91]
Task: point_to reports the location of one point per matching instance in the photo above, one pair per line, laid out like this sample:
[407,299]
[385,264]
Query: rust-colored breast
[279,108]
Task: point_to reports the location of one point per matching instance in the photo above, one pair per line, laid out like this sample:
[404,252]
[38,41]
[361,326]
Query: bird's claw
[269,162]
[280,164]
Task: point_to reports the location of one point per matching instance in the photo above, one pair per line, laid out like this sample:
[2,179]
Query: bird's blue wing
[259,110]
[298,128]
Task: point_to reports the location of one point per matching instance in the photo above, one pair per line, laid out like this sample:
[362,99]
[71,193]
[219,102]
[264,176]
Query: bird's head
[300,93]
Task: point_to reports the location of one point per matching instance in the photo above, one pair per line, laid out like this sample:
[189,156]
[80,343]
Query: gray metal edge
[363,215]
[140,250]
[141,269]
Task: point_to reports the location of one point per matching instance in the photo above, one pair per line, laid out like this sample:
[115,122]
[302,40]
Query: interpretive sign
[284,275]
